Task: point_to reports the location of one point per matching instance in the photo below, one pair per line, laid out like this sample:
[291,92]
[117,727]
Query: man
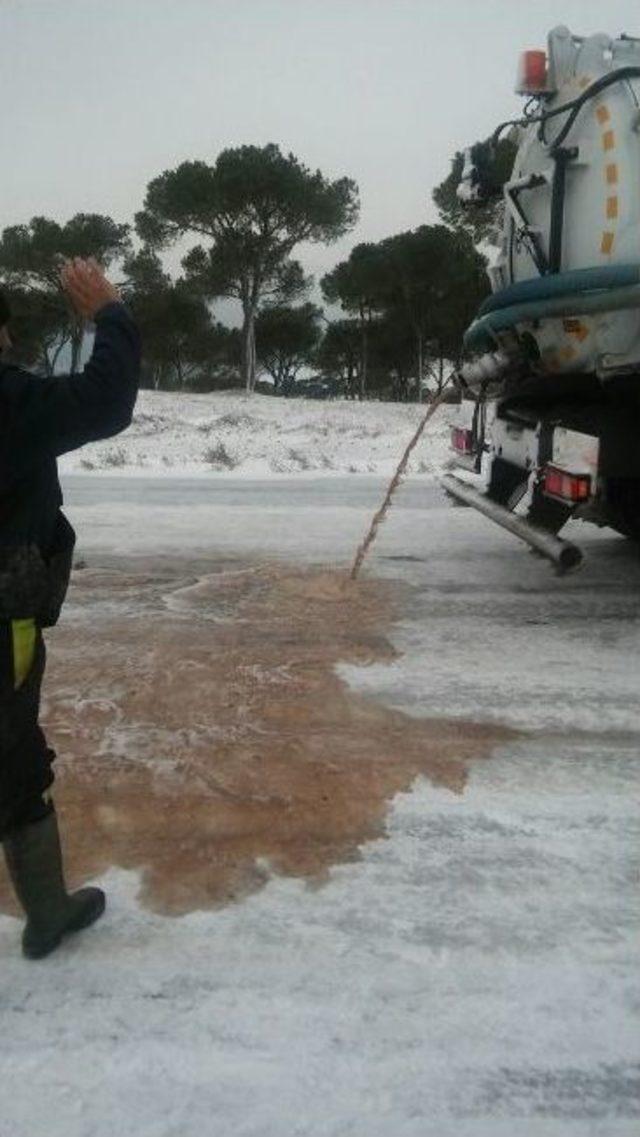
[40,419]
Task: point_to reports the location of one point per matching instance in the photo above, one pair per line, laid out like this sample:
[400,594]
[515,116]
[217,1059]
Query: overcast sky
[99,96]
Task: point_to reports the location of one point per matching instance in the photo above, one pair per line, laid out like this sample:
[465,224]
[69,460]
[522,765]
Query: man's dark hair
[5,311]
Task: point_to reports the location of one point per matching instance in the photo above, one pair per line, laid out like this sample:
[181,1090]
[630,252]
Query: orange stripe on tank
[606,245]
[608,140]
[611,173]
[612,208]
[602,115]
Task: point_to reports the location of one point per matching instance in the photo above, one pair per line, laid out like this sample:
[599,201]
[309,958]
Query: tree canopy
[286,338]
[481,220]
[30,259]
[429,280]
[406,299]
[252,207]
[182,342]
[338,354]
[357,285]
[40,327]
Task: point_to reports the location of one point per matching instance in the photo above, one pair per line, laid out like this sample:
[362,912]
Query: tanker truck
[549,425]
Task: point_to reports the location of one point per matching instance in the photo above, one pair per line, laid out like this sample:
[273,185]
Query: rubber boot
[34,860]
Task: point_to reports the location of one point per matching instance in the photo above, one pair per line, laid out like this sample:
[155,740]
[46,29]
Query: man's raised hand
[87,287]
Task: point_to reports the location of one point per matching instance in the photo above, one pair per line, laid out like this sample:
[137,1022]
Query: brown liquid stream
[205,738]
[381,513]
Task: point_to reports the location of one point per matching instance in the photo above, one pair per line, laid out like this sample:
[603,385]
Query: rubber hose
[562,284]
[481,334]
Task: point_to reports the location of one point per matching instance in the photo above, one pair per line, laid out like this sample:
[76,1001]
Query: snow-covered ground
[260,435]
[475,973]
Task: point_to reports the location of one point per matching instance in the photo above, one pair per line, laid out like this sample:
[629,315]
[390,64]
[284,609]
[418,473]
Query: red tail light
[532,73]
[462,440]
[567,487]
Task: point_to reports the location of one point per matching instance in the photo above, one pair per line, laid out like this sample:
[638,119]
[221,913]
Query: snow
[475,972]
[260,435]
[509,641]
[464,978]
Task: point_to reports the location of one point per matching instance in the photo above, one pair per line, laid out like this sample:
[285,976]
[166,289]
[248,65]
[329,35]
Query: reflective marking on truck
[612,208]
[603,116]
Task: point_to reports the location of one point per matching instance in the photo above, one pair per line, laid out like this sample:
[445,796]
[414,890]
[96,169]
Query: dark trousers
[25,759]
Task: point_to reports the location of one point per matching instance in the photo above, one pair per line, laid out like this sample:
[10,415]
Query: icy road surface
[474,973]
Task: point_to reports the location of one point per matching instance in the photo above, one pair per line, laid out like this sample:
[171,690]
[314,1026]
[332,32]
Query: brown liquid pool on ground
[204,737]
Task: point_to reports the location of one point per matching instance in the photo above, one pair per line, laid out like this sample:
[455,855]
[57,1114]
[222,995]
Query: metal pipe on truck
[564,555]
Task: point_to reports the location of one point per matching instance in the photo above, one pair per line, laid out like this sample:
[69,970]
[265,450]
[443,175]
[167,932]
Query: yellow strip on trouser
[23,633]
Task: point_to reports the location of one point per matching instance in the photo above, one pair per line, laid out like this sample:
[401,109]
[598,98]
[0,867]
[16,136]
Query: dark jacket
[41,418]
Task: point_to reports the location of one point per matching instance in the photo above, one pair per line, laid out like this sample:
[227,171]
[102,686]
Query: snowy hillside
[260,435]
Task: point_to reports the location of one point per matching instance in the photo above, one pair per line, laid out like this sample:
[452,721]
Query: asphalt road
[476,972]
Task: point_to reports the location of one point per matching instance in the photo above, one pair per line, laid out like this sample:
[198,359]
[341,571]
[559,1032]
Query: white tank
[600,212]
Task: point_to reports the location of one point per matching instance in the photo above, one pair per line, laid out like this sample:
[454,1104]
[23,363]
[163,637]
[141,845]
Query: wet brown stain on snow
[205,739]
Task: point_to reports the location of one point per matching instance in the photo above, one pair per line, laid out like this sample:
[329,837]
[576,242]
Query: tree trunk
[46,363]
[420,366]
[179,370]
[254,360]
[281,379]
[249,351]
[77,339]
[364,356]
